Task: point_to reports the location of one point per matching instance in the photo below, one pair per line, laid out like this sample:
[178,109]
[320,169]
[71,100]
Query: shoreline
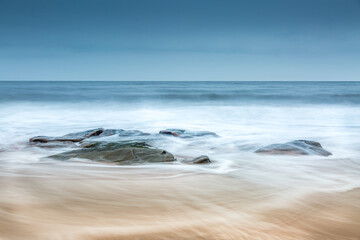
[225,208]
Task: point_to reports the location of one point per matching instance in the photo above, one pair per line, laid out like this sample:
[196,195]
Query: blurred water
[246,116]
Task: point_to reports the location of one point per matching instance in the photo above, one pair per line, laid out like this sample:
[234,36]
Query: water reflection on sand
[52,202]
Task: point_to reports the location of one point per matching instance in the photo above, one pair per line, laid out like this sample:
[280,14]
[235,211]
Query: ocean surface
[238,185]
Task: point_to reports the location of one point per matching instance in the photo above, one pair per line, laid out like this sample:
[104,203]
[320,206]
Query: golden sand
[194,206]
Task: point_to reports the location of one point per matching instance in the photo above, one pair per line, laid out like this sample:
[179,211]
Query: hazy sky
[180,40]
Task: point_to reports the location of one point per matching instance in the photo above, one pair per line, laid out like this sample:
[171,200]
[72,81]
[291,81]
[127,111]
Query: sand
[135,204]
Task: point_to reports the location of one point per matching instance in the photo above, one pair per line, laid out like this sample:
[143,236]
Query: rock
[203,159]
[109,132]
[297,147]
[71,137]
[126,133]
[122,133]
[120,153]
[173,132]
[186,134]
[55,144]
[101,146]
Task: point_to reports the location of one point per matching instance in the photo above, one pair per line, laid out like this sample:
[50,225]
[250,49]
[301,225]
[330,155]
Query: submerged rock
[297,147]
[120,153]
[203,159]
[186,134]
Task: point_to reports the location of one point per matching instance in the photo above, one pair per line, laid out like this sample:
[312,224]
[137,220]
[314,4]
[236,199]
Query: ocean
[240,195]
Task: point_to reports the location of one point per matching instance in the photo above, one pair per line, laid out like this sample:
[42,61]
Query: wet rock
[122,133]
[109,132]
[173,132]
[120,153]
[101,146]
[126,133]
[203,159]
[186,134]
[55,144]
[297,147]
[71,137]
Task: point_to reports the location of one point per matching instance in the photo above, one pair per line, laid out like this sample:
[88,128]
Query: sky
[180,40]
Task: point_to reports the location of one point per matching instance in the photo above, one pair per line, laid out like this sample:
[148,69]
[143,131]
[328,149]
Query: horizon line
[179,80]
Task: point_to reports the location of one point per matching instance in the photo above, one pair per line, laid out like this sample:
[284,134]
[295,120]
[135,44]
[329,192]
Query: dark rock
[120,153]
[55,144]
[173,132]
[186,134]
[101,146]
[297,147]
[71,137]
[126,133]
[92,133]
[109,132]
[203,159]
[122,133]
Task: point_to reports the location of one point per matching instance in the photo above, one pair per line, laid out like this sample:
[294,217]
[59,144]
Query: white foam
[242,130]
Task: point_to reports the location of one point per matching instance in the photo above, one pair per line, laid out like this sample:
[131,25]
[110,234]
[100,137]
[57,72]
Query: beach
[240,194]
[192,206]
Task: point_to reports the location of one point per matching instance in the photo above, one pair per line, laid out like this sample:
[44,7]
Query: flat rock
[186,134]
[203,159]
[101,146]
[71,137]
[297,147]
[120,153]
[125,133]
[55,144]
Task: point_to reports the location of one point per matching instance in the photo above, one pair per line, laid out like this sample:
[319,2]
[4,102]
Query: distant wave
[197,92]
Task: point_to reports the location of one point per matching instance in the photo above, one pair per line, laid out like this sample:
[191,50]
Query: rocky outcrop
[203,159]
[126,133]
[70,139]
[120,153]
[297,147]
[123,146]
[186,134]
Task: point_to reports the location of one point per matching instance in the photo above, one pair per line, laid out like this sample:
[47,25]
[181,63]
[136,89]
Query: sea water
[245,115]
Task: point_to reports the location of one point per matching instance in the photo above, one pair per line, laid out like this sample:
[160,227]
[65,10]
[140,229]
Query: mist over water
[238,185]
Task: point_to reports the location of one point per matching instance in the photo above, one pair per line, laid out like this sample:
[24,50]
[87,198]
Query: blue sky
[187,40]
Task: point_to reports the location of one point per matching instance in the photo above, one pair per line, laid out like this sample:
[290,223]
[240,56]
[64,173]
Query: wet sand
[140,204]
